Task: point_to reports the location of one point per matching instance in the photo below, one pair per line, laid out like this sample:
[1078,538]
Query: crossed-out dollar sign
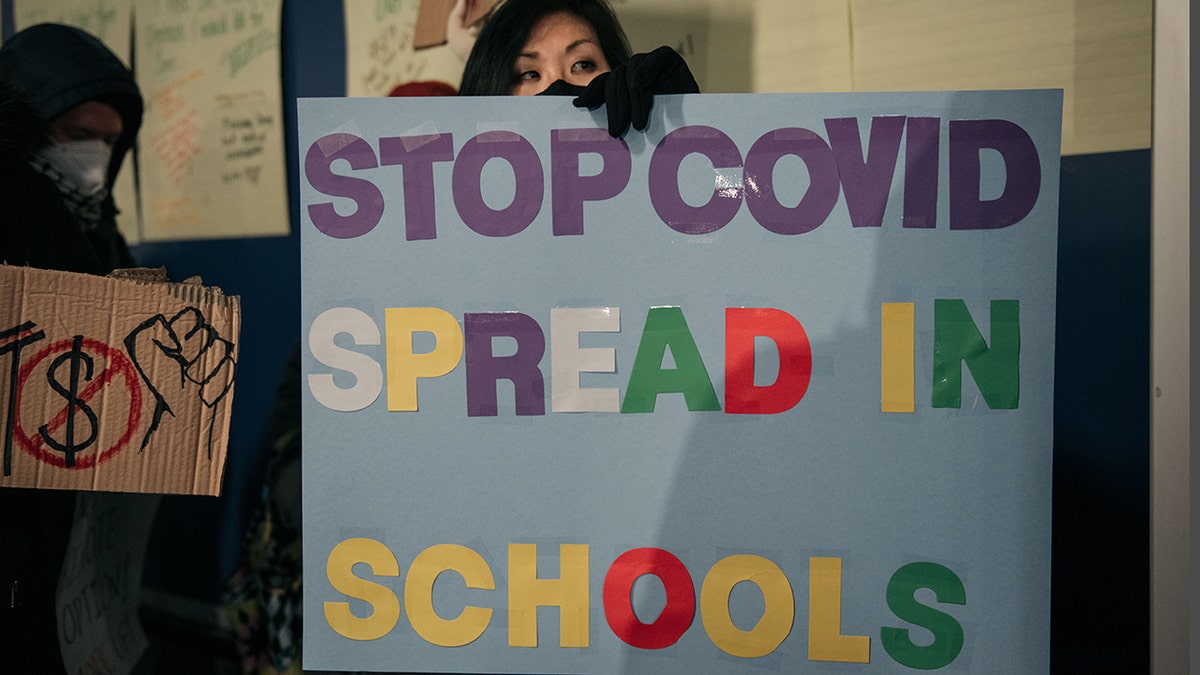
[76,360]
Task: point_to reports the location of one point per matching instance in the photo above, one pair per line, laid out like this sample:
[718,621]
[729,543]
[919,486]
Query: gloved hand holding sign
[629,89]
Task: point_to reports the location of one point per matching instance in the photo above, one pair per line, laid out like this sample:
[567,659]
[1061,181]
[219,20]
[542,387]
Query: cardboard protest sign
[115,384]
[97,598]
[768,385]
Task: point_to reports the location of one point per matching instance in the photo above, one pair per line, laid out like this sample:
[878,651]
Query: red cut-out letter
[742,396]
[675,618]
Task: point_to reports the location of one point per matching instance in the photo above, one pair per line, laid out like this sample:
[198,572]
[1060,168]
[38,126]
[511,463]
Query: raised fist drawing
[181,359]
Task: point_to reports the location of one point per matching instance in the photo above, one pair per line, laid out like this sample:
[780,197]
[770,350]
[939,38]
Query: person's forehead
[561,27]
[91,114]
[90,120]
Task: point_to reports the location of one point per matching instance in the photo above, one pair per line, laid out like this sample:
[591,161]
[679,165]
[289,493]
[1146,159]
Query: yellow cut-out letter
[404,366]
[897,373]
[526,592]
[418,595]
[778,614]
[825,639]
[385,606]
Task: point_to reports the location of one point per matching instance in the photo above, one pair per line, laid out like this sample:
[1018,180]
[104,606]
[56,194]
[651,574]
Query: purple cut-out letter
[921,172]
[369,200]
[823,185]
[485,370]
[568,189]
[664,180]
[1022,174]
[468,188]
[866,179]
[417,155]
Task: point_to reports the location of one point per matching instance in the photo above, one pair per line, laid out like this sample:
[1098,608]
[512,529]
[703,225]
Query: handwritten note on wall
[1098,52]
[106,19]
[212,162]
[380,53]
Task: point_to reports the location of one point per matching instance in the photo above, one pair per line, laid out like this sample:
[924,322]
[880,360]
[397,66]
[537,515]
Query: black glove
[629,90]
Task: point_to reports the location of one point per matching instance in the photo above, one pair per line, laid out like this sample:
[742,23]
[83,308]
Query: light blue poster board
[766,387]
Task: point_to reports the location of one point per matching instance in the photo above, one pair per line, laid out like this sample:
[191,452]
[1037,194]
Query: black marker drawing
[199,356]
[72,360]
[15,347]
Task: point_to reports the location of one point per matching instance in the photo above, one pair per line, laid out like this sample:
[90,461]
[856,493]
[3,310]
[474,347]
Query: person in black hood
[69,113]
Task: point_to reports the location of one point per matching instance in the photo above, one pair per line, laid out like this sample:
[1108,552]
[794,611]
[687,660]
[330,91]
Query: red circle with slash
[118,368]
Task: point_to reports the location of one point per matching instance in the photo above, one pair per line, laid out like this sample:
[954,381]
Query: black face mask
[562,88]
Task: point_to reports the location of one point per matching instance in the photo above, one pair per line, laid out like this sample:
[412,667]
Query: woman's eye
[527,76]
[583,66]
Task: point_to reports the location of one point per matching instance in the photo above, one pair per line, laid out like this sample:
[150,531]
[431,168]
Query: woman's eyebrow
[575,45]
[569,48]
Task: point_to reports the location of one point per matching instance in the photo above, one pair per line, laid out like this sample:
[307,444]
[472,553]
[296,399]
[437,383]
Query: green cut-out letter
[996,369]
[947,632]
[666,327]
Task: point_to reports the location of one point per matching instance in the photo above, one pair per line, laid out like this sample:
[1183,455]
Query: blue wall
[1100,572]
[196,541]
[1100,597]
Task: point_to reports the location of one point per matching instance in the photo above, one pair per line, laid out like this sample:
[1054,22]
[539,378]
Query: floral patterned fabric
[263,597]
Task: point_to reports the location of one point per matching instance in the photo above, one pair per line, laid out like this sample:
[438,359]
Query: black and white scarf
[87,209]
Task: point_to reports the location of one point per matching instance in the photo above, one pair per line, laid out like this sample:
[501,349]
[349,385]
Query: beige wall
[1173,478]
[1097,51]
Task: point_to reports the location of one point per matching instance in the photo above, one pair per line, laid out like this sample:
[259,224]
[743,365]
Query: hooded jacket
[45,70]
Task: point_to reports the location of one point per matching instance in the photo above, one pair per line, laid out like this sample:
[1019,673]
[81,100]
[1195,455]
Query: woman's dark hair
[489,69]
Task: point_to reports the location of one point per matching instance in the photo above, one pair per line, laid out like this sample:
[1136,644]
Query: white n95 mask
[83,164]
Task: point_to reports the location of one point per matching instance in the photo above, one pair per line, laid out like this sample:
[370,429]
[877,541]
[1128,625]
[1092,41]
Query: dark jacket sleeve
[37,230]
